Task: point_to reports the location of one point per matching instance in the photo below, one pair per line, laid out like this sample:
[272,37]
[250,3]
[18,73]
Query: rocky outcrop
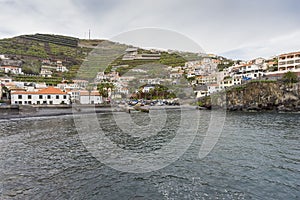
[258,96]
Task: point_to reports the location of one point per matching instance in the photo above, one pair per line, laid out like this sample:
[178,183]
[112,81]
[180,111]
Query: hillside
[31,50]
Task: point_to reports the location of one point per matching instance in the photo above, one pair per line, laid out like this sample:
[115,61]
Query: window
[20,102]
[57,96]
[51,102]
[37,102]
[65,96]
[48,96]
[29,96]
[44,102]
[40,96]
[282,63]
[19,96]
[29,102]
[16,102]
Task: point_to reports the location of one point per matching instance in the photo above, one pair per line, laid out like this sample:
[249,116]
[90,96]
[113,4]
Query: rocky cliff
[258,96]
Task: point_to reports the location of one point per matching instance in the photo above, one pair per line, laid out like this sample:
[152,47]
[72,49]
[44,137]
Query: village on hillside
[206,76]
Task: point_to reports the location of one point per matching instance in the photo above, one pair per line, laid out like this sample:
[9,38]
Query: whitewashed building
[90,98]
[11,69]
[47,96]
[86,97]
[213,88]
[289,61]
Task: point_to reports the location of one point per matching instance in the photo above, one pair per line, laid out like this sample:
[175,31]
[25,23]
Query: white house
[5,80]
[47,96]
[201,91]
[147,88]
[93,97]
[212,88]
[228,82]
[46,73]
[11,69]
[61,68]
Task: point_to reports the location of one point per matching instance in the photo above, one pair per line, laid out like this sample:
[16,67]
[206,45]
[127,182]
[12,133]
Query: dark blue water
[256,157]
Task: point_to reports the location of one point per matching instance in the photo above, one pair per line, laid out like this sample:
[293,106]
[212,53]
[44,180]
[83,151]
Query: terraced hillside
[32,49]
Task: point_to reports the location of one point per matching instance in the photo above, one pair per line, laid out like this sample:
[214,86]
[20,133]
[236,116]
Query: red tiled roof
[49,90]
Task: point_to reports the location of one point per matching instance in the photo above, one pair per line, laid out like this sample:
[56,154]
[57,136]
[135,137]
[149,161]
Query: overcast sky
[242,29]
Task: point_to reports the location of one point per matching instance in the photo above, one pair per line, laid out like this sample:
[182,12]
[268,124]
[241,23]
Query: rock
[283,108]
[253,108]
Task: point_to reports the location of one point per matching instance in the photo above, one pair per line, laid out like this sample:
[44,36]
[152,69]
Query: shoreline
[46,111]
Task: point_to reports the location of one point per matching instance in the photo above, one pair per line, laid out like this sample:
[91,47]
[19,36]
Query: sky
[237,29]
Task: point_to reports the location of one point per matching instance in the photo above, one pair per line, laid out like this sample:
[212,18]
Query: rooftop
[49,90]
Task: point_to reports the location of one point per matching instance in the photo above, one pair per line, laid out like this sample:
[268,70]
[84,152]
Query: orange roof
[86,93]
[248,64]
[214,84]
[49,90]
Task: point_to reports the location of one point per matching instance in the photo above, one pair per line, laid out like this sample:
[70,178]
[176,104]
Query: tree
[290,78]
[103,88]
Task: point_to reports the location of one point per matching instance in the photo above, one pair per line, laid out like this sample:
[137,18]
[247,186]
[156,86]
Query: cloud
[242,29]
[267,48]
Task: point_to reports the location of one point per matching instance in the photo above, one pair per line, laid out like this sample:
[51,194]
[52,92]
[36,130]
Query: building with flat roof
[289,61]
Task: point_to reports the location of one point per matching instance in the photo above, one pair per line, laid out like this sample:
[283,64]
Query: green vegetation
[223,66]
[172,59]
[59,50]
[262,81]
[238,88]
[39,79]
[159,92]
[16,47]
[31,67]
[32,49]
[189,56]
[104,87]
[290,78]
[166,59]
[55,39]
